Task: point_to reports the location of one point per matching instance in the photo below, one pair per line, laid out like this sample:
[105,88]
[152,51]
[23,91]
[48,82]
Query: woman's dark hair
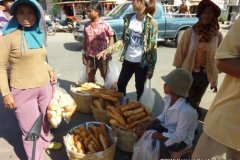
[150,6]
[95,5]
[195,106]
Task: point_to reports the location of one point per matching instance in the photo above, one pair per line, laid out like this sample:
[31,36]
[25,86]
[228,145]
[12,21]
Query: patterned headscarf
[207,32]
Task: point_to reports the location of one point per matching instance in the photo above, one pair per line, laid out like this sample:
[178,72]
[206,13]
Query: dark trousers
[93,64]
[173,148]
[198,88]
[128,69]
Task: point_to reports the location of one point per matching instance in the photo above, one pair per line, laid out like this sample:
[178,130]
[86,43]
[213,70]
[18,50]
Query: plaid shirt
[150,33]
[96,40]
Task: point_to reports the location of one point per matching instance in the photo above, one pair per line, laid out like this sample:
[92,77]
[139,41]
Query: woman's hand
[149,74]
[214,88]
[84,59]
[53,77]
[141,128]
[103,55]
[9,102]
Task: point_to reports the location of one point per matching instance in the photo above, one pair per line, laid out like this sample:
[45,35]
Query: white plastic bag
[83,74]
[146,148]
[148,96]
[112,74]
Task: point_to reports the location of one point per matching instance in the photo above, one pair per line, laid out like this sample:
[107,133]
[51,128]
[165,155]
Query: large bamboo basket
[107,154]
[100,115]
[83,100]
[126,139]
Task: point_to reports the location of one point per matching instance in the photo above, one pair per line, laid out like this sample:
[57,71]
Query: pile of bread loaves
[128,116]
[61,106]
[89,140]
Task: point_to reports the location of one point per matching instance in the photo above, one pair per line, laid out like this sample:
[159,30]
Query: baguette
[103,141]
[134,124]
[130,106]
[108,97]
[80,147]
[132,112]
[116,124]
[103,131]
[112,92]
[118,116]
[95,131]
[95,145]
[96,142]
[136,117]
[96,104]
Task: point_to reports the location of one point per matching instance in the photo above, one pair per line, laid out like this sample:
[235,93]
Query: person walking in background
[220,137]
[98,35]
[31,78]
[184,8]
[139,44]
[197,48]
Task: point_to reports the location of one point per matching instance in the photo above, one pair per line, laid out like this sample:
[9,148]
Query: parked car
[169,28]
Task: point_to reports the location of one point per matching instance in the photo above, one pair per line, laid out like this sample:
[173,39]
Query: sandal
[54,146]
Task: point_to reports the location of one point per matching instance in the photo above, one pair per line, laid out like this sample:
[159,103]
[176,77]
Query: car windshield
[118,10]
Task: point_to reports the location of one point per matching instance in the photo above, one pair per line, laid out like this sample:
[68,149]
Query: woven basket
[100,115]
[125,139]
[107,154]
[83,100]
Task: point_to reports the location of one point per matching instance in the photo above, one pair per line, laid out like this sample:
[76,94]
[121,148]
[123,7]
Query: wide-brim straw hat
[205,3]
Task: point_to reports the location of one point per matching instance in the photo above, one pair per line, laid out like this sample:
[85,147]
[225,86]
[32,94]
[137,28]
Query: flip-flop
[54,146]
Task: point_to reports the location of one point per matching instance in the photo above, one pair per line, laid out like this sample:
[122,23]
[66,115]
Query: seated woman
[177,123]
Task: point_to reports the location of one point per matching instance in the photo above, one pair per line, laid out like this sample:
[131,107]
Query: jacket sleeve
[182,48]
[4,54]
[153,54]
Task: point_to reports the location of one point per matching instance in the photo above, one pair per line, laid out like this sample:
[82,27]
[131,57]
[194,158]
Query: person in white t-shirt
[139,44]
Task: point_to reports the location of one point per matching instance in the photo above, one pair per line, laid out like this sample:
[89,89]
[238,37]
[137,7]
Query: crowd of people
[200,56]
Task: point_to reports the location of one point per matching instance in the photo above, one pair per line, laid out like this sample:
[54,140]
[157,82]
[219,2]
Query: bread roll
[132,112]
[77,131]
[96,142]
[134,124]
[91,148]
[136,117]
[118,116]
[130,106]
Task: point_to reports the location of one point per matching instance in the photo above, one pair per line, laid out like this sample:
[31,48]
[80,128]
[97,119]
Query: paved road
[65,57]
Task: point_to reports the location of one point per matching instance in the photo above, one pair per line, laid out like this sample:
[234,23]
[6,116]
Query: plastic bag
[148,96]
[83,74]
[112,74]
[146,148]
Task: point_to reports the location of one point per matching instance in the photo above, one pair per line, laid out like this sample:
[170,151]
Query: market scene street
[64,55]
[119,79]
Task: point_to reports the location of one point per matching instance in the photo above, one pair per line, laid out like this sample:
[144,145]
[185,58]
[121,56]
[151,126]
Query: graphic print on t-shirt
[135,42]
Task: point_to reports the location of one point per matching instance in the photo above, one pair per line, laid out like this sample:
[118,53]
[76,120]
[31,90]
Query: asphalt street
[64,55]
